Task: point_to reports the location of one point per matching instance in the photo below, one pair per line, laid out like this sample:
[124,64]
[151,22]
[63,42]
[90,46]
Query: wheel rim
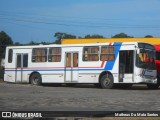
[106,82]
[35,80]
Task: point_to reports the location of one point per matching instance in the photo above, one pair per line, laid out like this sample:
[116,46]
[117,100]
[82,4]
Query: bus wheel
[153,86]
[36,79]
[106,81]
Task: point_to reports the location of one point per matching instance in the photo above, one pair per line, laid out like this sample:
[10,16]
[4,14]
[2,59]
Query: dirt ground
[80,98]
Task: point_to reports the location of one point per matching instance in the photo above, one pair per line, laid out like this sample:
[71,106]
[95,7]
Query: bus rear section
[16,67]
[104,64]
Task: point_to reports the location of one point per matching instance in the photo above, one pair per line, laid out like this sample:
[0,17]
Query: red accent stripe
[102,64]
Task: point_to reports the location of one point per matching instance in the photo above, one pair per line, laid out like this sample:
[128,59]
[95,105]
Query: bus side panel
[57,77]
[52,72]
[89,71]
[88,77]
[9,75]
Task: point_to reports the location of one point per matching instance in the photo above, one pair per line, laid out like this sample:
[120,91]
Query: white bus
[103,64]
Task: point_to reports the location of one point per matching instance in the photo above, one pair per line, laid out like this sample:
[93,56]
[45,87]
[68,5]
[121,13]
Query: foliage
[60,35]
[122,35]
[94,36]
[17,44]
[148,36]
[36,43]
[5,40]
[32,43]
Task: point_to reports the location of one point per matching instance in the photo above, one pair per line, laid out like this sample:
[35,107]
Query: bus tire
[36,79]
[153,86]
[106,81]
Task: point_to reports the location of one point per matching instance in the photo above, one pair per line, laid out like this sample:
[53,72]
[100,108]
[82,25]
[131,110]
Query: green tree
[17,44]
[93,36]
[148,36]
[61,35]
[32,43]
[45,43]
[5,40]
[122,35]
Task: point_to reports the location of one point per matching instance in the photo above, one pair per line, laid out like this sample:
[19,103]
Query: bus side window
[39,55]
[54,54]
[91,53]
[75,59]
[68,60]
[107,53]
[10,55]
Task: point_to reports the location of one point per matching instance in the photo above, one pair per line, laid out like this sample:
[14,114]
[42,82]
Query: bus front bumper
[152,80]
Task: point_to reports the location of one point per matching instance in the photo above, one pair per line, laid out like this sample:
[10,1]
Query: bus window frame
[52,55]
[34,55]
[107,53]
[83,58]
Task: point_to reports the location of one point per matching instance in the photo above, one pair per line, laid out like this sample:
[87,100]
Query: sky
[39,20]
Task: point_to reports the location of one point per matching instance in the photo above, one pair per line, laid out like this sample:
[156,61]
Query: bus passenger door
[71,67]
[126,65]
[22,62]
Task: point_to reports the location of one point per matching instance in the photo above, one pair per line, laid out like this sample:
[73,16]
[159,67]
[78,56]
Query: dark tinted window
[10,55]
[145,46]
[157,55]
[25,60]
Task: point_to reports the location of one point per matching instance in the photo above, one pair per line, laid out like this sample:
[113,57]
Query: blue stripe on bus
[110,64]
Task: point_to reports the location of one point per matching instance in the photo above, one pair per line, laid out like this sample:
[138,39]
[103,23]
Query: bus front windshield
[145,59]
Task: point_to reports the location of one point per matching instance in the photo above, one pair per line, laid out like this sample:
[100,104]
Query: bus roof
[72,45]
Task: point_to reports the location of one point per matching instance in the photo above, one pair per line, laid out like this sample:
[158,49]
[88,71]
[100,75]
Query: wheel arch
[105,73]
[32,74]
